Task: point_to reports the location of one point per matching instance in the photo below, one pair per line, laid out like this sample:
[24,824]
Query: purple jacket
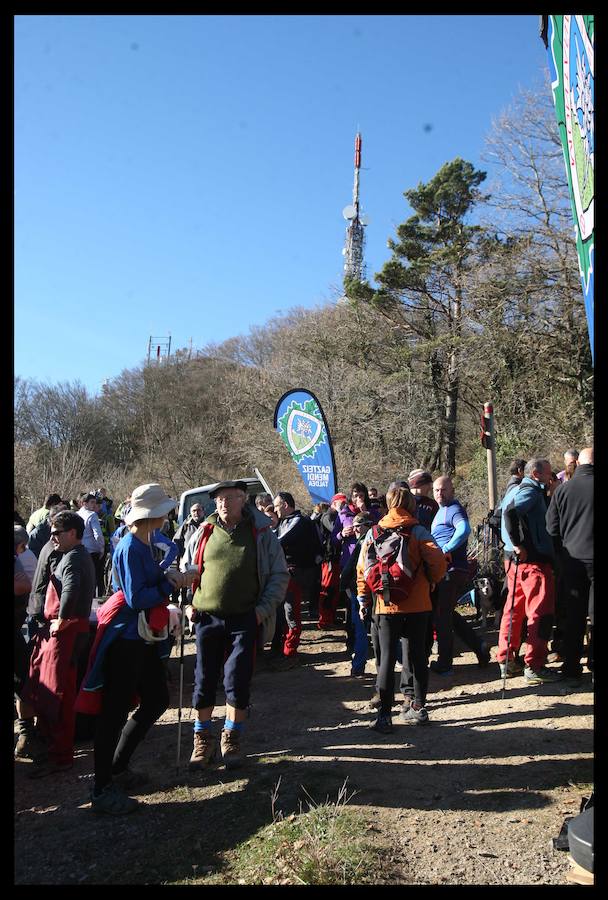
[347,545]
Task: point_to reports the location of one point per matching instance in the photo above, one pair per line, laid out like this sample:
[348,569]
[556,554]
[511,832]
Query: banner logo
[302,430]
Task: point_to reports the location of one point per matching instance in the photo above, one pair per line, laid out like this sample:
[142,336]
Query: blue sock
[229,725]
[201,726]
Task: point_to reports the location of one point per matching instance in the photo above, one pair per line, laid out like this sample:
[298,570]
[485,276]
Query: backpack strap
[200,551]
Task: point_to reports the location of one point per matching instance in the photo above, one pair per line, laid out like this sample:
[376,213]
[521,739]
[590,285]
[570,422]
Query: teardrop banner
[299,419]
[570,44]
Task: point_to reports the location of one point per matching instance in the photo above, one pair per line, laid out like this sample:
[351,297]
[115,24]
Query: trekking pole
[181,686]
[504,677]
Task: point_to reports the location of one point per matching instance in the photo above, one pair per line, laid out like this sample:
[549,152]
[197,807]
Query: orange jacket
[425,557]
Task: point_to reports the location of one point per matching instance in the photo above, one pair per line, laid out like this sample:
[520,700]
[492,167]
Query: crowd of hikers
[102,594]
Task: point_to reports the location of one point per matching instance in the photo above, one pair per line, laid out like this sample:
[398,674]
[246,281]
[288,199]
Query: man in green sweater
[243,577]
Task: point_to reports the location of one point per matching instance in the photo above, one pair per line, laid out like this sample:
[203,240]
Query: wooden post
[487,439]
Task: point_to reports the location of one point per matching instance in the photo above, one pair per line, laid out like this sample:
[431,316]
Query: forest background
[479,300]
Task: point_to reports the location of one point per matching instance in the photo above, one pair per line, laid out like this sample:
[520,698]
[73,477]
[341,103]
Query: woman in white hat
[132,665]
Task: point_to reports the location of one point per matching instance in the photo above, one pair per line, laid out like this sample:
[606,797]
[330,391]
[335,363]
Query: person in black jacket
[570,523]
[299,538]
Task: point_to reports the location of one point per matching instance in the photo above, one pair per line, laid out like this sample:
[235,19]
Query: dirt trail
[474,798]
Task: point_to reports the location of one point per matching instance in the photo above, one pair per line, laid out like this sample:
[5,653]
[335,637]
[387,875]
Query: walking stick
[181,687]
[504,677]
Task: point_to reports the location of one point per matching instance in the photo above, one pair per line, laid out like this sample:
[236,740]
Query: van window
[208,504]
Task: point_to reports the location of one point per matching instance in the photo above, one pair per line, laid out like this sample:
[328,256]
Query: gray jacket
[75,581]
[47,563]
[273,575]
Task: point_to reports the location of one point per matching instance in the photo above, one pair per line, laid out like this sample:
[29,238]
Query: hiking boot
[383,724]
[440,670]
[230,745]
[204,751]
[129,778]
[540,676]
[30,745]
[375,701]
[414,716]
[112,801]
[483,656]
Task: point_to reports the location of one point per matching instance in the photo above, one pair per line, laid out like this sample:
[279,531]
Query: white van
[201,495]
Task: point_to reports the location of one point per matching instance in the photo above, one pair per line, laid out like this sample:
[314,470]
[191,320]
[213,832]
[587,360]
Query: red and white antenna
[354,266]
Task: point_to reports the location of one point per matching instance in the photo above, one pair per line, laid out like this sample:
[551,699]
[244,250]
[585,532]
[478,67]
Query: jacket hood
[396,517]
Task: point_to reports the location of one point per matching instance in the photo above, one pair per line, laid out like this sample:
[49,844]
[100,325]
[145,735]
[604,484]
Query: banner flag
[570,42]
[299,419]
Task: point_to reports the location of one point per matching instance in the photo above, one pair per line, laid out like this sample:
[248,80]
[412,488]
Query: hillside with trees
[479,299]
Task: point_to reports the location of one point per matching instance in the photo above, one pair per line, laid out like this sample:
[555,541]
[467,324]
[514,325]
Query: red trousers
[535,601]
[51,688]
[329,593]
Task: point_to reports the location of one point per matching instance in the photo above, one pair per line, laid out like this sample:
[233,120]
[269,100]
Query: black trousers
[577,578]
[130,667]
[447,620]
[390,628]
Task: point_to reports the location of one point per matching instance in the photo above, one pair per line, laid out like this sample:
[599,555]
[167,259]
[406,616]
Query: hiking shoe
[230,745]
[129,778]
[357,673]
[414,716]
[540,676]
[440,670]
[570,681]
[554,657]
[483,657]
[513,667]
[204,751]
[407,702]
[112,801]
[375,701]
[31,746]
[383,724]
[48,767]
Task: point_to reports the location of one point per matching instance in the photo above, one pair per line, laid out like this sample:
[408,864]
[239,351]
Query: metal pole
[488,415]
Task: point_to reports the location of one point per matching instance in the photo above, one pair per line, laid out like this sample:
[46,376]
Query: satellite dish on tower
[364,219]
[349,212]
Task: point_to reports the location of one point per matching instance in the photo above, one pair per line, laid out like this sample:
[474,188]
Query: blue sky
[186,175]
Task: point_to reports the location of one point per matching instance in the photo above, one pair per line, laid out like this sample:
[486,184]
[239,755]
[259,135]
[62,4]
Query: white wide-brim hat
[149,501]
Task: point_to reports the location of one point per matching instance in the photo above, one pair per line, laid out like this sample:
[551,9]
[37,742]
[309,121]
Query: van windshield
[208,504]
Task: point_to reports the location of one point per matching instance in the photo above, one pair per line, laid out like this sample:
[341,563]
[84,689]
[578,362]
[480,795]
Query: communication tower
[354,267]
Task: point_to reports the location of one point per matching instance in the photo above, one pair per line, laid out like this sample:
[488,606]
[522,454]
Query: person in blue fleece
[132,662]
[450,530]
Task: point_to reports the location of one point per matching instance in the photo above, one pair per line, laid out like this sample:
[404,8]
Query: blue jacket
[524,509]
[138,575]
[450,530]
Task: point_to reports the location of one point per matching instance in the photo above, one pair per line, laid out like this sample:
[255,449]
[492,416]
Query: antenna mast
[354,267]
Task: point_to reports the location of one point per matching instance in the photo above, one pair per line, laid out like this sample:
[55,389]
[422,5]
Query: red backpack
[387,568]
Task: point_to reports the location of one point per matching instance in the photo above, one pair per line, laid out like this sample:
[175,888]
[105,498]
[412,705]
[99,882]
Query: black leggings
[413,626]
[130,667]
